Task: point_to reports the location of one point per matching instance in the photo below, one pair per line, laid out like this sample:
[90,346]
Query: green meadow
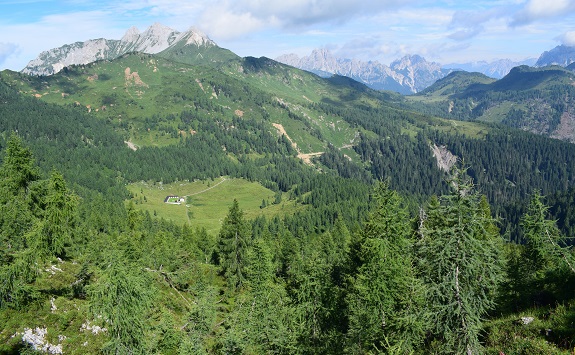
[208,201]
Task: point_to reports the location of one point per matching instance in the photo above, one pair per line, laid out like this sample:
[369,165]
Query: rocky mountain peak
[413,61]
[131,34]
[196,37]
[561,55]
[289,59]
[153,40]
[323,60]
[407,61]
[407,75]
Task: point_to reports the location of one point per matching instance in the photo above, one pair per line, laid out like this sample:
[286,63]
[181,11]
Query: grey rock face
[155,39]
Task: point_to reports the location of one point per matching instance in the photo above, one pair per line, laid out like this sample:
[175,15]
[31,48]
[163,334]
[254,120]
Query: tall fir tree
[544,242]
[385,298]
[461,264]
[233,242]
[262,320]
[18,168]
[18,258]
[56,229]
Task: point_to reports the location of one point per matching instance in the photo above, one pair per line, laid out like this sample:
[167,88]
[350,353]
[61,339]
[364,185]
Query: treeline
[443,281]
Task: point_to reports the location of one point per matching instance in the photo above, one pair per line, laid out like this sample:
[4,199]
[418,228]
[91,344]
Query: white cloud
[468,24]
[535,10]
[568,38]
[221,24]
[466,33]
[309,12]
[235,18]
[546,8]
[6,50]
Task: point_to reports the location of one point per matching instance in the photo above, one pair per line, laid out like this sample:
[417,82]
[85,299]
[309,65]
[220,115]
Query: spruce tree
[18,168]
[544,241]
[57,227]
[18,258]
[233,242]
[461,264]
[385,297]
[262,320]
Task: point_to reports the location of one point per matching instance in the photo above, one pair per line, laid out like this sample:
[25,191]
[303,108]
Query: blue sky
[443,31]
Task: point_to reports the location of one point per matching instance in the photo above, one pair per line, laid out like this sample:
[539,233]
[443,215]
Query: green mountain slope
[198,54]
[539,100]
[257,119]
[454,83]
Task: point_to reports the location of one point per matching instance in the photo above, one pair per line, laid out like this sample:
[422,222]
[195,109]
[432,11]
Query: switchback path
[306,157]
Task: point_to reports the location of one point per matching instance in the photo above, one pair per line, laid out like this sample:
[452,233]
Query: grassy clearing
[300,134]
[208,201]
[498,113]
[470,129]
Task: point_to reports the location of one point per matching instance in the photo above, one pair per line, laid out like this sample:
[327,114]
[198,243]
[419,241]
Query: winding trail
[306,157]
[200,192]
[209,188]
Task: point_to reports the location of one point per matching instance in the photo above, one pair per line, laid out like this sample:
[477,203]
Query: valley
[168,196]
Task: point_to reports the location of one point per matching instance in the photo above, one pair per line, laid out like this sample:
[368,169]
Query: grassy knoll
[208,201]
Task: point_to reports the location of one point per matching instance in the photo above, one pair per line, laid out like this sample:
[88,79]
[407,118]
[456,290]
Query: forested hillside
[142,285]
[365,246]
[538,100]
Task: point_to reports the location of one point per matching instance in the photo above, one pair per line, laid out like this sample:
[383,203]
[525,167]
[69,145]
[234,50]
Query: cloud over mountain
[7,49]
[568,38]
[231,19]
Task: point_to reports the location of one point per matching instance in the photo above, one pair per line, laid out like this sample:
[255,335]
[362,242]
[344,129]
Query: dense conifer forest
[381,251]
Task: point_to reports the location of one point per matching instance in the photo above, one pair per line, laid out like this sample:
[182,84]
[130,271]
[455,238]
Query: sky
[444,31]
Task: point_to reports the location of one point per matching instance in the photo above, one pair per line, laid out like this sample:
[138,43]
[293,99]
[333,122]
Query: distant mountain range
[409,75]
[538,100]
[560,55]
[496,69]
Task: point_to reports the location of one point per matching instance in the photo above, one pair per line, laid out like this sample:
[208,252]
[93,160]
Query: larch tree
[17,218]
[57,226]
[460,261]
[544,260]
[123,298]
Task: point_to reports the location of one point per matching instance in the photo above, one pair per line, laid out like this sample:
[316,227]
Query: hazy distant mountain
[496,69]
[157,38]
[560,55]
[407,75]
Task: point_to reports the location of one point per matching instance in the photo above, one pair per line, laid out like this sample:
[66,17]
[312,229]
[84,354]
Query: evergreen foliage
[233,242]
[541,270]
[385,299]
[333,271]
[461,264]
[122,298]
